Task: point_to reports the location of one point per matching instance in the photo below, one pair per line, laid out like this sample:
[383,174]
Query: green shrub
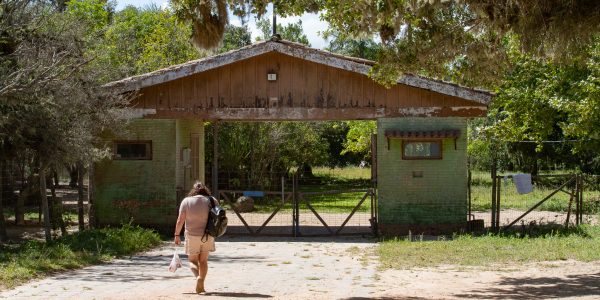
[19,263]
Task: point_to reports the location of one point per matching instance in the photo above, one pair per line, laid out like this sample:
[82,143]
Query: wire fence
[556,199]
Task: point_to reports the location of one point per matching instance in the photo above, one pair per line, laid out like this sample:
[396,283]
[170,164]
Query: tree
[138,41]
[358,139]
[292,32]
[459,40]
[51,102]
[256,154]
[539,100]
[208,18]
[340,43]
[235,37]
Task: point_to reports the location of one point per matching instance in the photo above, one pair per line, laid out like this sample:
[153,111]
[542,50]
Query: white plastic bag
[175,263]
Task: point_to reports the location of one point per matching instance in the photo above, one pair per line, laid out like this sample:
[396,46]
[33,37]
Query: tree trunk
[80,214]
[56,181]
[57,212]
[45,203]
[20,203]
[73,175]
[3,235]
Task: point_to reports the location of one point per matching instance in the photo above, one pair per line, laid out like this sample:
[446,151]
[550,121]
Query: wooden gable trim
[356,65]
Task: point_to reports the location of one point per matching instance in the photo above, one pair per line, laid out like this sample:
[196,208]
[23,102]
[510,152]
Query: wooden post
[80,214]
[45,210]
[215,165]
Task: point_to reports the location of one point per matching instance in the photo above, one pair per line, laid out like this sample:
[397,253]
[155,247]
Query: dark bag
[217,220]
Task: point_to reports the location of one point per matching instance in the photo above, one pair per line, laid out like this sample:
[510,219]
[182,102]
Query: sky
[311,23]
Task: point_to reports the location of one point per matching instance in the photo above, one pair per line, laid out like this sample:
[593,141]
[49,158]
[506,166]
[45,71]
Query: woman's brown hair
[199,189]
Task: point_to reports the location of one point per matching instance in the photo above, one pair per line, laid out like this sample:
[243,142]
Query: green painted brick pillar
[146,191]
[422,196]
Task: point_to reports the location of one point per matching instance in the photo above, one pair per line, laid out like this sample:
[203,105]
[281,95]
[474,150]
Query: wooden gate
[302,213]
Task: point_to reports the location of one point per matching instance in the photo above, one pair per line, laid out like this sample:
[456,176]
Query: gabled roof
[352,64]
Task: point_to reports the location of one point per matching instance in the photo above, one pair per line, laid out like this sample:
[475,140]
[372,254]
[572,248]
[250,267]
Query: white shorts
[196,244]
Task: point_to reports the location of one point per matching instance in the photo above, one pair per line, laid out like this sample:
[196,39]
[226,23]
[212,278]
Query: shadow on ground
[540,288]
[302,239]
[237,295]
[385,298]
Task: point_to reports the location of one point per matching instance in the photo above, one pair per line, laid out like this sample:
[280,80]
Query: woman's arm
[179,225]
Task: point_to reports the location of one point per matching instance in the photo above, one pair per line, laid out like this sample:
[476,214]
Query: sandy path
[311,268]
[565,280]
[241,268]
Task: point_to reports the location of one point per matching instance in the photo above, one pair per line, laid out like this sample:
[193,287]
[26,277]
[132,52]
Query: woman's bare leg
[193,261]
[203,265]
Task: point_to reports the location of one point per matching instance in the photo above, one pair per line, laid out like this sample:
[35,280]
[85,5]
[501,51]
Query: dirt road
[310,268]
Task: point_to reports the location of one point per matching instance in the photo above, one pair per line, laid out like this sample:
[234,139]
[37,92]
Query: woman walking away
[194,213]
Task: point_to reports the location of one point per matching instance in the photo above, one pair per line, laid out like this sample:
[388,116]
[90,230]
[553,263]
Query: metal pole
[274,21]
[493,176]
[579,200]
[294,200]
[498,195]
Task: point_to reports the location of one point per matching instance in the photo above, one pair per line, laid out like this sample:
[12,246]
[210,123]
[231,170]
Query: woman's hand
[177,240]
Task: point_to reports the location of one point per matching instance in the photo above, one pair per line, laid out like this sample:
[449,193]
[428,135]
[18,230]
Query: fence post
[579,200]
[498,196]
[493,175]
[295,213]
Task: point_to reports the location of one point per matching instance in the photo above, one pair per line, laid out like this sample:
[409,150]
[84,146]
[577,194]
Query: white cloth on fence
[523,183]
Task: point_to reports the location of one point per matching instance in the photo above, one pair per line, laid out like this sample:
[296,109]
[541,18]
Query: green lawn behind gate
[325,180]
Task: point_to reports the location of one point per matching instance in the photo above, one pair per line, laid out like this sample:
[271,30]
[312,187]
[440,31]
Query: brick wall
[145,191]
[438,199]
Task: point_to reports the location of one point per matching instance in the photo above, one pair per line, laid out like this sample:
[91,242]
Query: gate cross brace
[315,213]
[289,195]
[368,193]
[236,212]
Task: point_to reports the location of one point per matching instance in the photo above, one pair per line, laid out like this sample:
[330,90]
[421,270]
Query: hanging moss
[208,19]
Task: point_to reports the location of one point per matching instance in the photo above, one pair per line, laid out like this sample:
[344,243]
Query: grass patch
[31,214]
[579,243]
[34,259]
[346,173]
